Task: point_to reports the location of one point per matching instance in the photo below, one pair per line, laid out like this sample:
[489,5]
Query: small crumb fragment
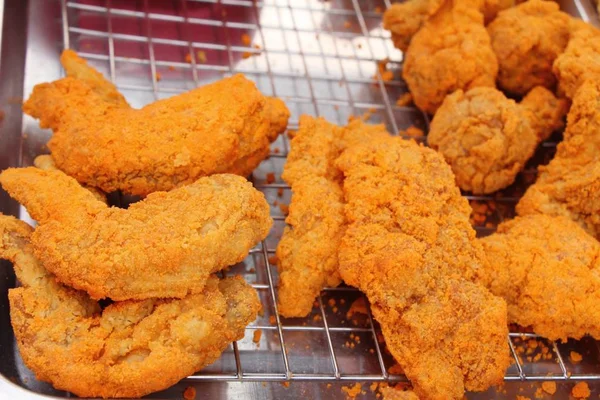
[404,100]
[396,369]
[273,260]
[246,39]
[256,336]
[575,357]
[352,391]
[171,68]
[158,77]
[270,177]
[285,384]
[280,192]
[373,386]
[378,10]
[347,24]
[328,385]
[549,387]
[386,75]
[188,58]
[189,393]
[276,150]
[272,320]
[246,55]
[317,318]
[331,302]
[261,312]
[264,384]
[284,208]
[201,56]
[581,391]
[358,307]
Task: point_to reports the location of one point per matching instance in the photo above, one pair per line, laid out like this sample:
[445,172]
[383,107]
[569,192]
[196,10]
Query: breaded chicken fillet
[128,349]
[164,246]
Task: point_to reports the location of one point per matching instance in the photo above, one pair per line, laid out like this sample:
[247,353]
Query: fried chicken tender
[405,19]
[527,39]
[452,51]
[548,271]
[78,68]
[410,248]
[130,348]
[224,127]
[164,246]
[580,61]
[308,250]
[487,138]
[569,184]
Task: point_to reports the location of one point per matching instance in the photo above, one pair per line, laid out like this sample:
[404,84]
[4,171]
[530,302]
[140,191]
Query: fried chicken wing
[569,184]
[307,253]
[452,51]
[548,271]
[130,348]
[410,248]
[405,19]
[164,246]
[527,39]
[580,61]
[78,68]
[487,138]
[224,127]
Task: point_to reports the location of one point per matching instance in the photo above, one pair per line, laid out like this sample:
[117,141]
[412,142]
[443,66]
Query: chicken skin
[452,51]
[410,248]
[128,349]
[307,253]
[570,183]
[487,138]
[527,39]
[164,246]
[548,271]
[223,127]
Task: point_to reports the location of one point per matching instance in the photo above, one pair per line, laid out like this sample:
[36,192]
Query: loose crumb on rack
[285,209]
[158,76]
[378,10]
[270,178]
[246,55]
[404,100]
[246,39]
[171,68]
[189,393]
[357,307]
[273,260]
[188,58]
[280,192]
[352,391]
[575,357]
[317,318]
[201,56]
[549,387]
[285,384]
[276,150]
[386,75]
[256,336]
[581,391]
[519,397]
[347,24]
[272,320]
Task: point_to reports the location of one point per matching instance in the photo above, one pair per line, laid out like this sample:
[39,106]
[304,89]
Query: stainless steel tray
[321,57]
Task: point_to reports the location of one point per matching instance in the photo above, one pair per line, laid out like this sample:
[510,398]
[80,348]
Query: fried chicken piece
[527,39]
[130,348]
[487,138]
[410,248]
[164,246]
[452,51]
[405,19]
[46,163]
[569,184]
[548,271]
[224,127]
[580,61]
[78,68]
[307,253]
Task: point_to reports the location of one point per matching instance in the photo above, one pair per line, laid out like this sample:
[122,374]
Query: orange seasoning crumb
[523,398]
[273,260]
[188,58]
[404,100]
[280,192]
[171,68]
[286,384]
[347,24]
[396,369]
[189,393]
[276,150]
[246,39]
[549,387]
[352,391]
[201,56]
[383,71]
[575,357]
[317,317]
[270,177]
[331,302]
[272,320]
[284,208]
[581,391]
[358,307]
[256,336]
[157,76]
[246,55]
[378,10]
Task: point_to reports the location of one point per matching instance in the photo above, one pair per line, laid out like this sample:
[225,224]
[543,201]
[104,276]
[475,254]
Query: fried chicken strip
[307,253]
[527,39]
[452,51]
[78,68]
[224,127]
[164,246]
[548,271]
[487,138]
[410,248]
[570,183]
[130,348]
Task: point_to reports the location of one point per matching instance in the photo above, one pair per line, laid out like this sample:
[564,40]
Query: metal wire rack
[322,58]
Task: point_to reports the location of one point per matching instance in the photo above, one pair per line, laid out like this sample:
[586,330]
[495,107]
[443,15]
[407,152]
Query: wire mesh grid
[323,59]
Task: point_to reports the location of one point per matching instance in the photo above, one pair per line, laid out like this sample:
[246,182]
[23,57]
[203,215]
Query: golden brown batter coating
[569,184]
[487,138]
[548,271]
[226,126]
[580,61]
[130,348]
[409,246]
[164,246]
[527,39]
[308,250]
[452,51]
